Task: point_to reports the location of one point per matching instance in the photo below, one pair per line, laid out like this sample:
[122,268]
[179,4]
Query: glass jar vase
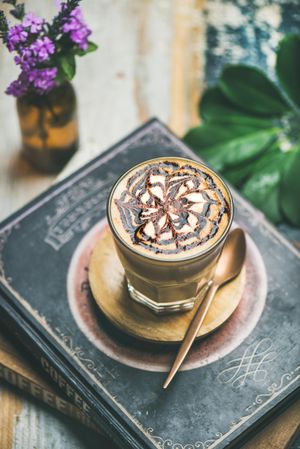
[49,127]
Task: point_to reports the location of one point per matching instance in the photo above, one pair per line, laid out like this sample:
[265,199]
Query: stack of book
[110,382]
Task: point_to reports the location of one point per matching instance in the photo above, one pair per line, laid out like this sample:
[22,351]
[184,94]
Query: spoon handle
[192,331]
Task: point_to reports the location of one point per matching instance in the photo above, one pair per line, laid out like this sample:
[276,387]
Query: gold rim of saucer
[109,289]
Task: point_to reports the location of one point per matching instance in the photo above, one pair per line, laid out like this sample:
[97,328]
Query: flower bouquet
[46,54]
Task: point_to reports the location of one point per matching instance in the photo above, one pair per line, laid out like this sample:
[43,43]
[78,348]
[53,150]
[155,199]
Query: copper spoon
[228,267]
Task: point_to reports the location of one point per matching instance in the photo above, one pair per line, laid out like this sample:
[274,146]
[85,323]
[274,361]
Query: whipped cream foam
[170,207]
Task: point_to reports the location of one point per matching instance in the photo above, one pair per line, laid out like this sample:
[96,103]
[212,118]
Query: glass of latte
[169,218]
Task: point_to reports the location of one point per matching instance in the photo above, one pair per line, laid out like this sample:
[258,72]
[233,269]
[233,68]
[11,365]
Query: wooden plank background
[154,58]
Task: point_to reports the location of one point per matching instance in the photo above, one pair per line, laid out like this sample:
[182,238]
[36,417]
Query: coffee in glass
[169,218]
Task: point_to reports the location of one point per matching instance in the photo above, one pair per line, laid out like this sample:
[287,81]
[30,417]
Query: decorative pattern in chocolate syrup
[170,208]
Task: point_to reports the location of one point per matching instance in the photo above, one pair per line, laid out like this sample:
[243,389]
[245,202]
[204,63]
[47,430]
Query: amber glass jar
[49,127]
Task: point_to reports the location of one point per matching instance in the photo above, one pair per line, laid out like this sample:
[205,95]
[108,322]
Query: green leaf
[239,149]
[211,134]
[68,66]
[250,89]
[263,186]
[18,12]
[215,107]
[60,77]
[91,47]
[288,66]
[238,174]
[290,188]
[3,26]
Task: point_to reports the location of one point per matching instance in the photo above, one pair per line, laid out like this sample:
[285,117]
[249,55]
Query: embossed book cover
[230,382]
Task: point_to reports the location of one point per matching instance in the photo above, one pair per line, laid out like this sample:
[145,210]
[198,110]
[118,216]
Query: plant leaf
[290,188]
[3,26]
[68,66]
[211,134]
[215,107]
[252,91]
[238,150]
[238,174]
[288,66]
[91,47]
[262,187]
[18,12]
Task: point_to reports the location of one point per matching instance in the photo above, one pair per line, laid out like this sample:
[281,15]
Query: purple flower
[43,48]
[80,37]
[75,20]
[34,49]
[77,28]
[43,79]
[18,87]
[25,59]
[16,36]
[34,22]
[61,6]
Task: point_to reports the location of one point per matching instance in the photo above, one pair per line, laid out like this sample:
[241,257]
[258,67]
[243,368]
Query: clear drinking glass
[165,282]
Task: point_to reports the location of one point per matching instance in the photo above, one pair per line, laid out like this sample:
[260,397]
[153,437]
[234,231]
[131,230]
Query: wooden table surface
[154,58]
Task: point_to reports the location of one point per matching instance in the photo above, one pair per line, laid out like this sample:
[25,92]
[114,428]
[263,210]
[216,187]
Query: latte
[170,208]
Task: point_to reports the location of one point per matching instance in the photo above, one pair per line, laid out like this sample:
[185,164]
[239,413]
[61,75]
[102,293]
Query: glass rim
[166,259]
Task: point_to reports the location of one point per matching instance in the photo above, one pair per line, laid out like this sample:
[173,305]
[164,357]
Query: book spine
[48,361]
[42,394]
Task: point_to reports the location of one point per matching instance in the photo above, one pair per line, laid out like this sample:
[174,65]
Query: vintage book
[19,372]
[231,383]
[16,369]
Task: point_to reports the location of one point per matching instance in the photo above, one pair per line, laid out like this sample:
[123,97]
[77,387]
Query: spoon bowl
[232,258]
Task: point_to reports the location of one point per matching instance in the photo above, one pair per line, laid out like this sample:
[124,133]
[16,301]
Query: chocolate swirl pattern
[170,208]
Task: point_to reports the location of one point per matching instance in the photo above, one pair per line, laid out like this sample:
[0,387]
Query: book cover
[16,369]
[230,383]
